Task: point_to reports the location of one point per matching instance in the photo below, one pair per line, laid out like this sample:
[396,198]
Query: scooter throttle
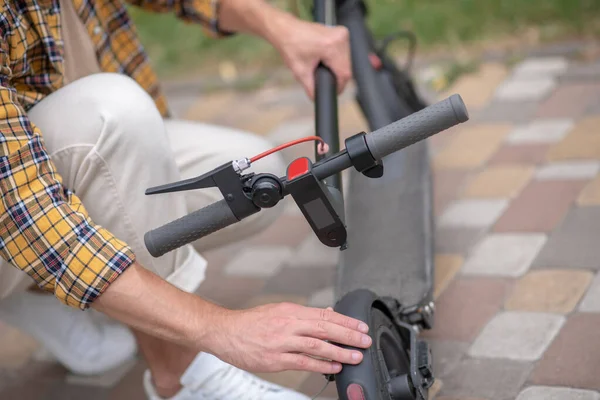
[191,227]
[417,126]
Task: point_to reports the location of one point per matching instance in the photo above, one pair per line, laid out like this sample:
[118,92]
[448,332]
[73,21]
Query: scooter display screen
[318,213]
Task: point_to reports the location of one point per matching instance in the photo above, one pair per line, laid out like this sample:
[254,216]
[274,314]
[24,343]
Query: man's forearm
[255,17]
[146,302]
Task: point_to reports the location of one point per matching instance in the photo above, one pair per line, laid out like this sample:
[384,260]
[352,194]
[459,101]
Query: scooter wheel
[384,372]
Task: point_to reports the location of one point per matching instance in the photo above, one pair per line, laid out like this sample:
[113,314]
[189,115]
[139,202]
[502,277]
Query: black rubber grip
[418,126]
[191,227]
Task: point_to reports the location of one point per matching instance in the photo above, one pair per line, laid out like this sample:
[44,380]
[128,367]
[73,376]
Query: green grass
[176,47]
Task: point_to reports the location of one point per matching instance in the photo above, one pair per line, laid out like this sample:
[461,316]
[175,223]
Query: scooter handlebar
[416,127]
[188,228]
[384,141]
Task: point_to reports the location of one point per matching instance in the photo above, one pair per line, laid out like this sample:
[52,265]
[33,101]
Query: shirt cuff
[205,12]
[88,275]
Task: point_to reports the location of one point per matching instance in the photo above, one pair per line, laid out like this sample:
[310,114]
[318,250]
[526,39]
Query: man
[84,130]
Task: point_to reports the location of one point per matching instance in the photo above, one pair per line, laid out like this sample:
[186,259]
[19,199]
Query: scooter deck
[390,230]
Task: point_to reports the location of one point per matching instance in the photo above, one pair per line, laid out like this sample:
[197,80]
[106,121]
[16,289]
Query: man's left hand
[303,45]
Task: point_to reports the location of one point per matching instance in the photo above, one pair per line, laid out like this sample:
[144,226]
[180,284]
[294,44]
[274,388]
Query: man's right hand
[278,337]
[273,337]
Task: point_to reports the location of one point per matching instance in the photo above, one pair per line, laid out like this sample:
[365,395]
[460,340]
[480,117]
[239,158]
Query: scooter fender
[359,304]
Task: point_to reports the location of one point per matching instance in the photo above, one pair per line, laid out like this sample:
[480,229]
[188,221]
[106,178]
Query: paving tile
[478,88]
[472,146]
[540,207]
[107,379]
[590,195]
[323,298]
[230,291]
[543,66]
[591,301]
[446,355]
[180,104]
[499,181]
[210,107]
[502,111]
[587,125]
[312,252]
[435,388]
[473,213]
[569,100]
[583,71]
[258,262]
[541,131]
[292,129]
[504,255]
[294,96]
[456,240]
[290,207]
[491,379]
[517,335]
[529,89]
[351,120]
[130,387]
[313,385]
[29,391]
[446,186]
[438,142]
[289,379]
[446,267]
[574,243]
[458,398]
[466,306]
[17,384]
[551,291]
[269,119]
[275,298]
[288,231]
[301,281]
[556,393]
[63,390]
[572,170]
[582,142]
[573,359]
[16,348]
[521,154]
[593,108]
[218,258]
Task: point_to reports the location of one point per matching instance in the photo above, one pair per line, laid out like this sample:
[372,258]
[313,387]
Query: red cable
[286,145]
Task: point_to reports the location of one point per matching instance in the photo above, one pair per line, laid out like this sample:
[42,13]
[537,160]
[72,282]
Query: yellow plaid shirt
[44,229]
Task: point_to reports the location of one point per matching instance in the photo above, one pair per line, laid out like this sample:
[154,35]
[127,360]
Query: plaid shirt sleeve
[44,229]
[204,12]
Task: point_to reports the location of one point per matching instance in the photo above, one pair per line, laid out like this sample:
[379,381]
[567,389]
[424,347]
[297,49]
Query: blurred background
[442,26]
[517,195]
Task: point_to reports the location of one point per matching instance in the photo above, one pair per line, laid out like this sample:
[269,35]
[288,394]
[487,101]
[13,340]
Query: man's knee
[81,112]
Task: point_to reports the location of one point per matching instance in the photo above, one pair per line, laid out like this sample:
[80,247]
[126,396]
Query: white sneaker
[71,336]
[209,378]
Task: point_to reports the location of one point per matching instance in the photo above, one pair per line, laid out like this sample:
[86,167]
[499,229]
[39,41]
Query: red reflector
[355,392]
[375,61]
[297,168]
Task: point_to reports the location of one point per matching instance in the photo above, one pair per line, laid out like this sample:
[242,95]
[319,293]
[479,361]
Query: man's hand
[279,337]
[274,337]
[303,45]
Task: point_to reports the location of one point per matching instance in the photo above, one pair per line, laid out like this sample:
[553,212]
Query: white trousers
[109,143]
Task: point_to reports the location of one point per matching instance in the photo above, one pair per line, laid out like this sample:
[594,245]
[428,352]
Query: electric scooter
[398,365]
[384,225]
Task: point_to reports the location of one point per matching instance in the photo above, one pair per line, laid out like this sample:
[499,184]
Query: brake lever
[199,182]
